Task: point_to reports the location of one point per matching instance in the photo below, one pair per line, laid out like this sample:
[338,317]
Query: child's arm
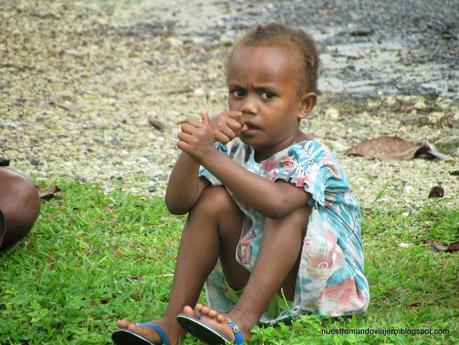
[184,186]
[274,200]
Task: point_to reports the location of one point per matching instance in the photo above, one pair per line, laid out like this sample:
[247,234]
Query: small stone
[435,117]
[391,100]
[374,103]
[332,113]
[174,42]
[4,162]
[226,41]
[34,161]
[199,92]
[420,105]
[157,124]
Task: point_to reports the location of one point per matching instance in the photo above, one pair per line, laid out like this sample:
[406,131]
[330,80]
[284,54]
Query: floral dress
[330,280]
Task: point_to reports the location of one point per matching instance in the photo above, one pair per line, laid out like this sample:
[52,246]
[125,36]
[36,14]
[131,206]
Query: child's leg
[276,267]
[213,227]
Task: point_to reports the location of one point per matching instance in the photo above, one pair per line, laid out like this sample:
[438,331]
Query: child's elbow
[175,208]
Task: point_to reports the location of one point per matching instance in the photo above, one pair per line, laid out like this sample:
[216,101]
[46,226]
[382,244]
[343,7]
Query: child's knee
[294,220]
[20,205]
[215,201]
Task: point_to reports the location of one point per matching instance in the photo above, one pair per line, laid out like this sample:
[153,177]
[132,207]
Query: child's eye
[238,93]
[267,95]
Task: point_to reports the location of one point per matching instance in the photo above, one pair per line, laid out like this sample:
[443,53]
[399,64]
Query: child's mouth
[251,128]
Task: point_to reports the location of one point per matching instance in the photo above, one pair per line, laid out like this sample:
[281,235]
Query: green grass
[92,259]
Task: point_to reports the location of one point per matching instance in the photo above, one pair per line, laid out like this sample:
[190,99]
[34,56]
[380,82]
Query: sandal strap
[238,337]
[159,330]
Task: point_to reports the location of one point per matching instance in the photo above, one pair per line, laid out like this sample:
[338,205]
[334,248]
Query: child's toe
[212,313]
[122,323]
[187,310]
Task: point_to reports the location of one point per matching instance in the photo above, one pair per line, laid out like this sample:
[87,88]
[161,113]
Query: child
[19,207]
[273,226]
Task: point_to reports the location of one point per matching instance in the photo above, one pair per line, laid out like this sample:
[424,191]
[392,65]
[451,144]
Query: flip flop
[207,334]
[125,337]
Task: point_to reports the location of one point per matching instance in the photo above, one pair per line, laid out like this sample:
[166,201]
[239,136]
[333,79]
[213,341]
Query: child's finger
[188,128]
[184,137]
[234,114]
[234,125]
[205,118]
[184,146]
[193,121]
[223,138]
[225,133]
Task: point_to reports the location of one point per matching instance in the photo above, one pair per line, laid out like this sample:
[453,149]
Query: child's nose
[249,106]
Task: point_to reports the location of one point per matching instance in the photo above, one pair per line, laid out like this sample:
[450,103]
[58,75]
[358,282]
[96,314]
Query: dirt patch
[82,83]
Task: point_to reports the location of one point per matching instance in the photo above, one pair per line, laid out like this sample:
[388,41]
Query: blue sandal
[125,337]
[207,334]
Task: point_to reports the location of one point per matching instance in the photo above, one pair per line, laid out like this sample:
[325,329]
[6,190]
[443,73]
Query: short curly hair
[275,34]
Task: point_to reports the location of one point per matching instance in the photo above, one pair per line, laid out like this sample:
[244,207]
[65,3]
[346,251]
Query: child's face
[264,84]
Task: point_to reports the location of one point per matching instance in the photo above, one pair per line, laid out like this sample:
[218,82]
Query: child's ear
[308,102]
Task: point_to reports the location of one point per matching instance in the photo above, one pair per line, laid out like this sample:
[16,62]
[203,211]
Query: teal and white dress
[330,281]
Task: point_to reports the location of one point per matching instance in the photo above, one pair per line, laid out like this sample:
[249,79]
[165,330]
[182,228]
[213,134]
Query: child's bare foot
[218,321]
[172,329]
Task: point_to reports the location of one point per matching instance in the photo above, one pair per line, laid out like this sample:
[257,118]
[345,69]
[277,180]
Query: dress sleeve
[312,168]
[203,172]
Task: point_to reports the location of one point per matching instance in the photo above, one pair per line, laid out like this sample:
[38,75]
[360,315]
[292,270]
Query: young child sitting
[273,227]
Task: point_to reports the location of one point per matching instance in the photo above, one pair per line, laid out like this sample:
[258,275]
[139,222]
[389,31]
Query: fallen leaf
[4,162]
[394,148]
[384,148]
[47,192]
[453,247]
[437,192]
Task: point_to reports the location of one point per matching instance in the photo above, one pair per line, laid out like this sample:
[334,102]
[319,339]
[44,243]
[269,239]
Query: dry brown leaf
[387,147]
[47,192]
[453,247]
[384,148]
[437,192]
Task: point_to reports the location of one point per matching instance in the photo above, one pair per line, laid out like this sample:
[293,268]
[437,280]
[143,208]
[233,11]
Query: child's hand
[226,126]
[196,138]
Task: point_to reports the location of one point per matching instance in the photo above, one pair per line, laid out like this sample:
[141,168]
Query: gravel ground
[81,84]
